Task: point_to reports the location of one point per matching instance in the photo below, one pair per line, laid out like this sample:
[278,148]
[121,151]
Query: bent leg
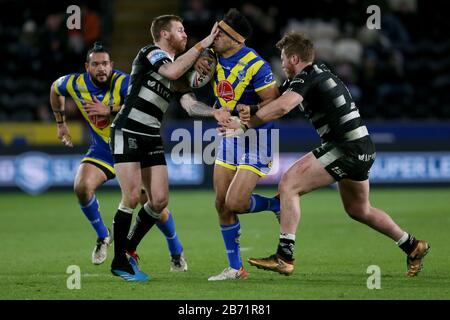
[305,175]
[240,190]
[355,198]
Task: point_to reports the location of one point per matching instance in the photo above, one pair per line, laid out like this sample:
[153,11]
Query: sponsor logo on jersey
[155,55]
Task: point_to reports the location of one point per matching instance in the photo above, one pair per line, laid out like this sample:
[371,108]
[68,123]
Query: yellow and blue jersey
[81,89]
[238,79]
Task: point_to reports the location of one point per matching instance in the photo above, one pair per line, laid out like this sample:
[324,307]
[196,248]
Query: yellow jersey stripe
[226,165]
[242,63]
[81,85]
[265,86]
[100,162]
[252,169]
[106,99]
[240,88]
[220,76]
[116,92]
[55,87]
[86,97]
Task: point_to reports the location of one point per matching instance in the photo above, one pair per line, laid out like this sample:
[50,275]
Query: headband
[231,32]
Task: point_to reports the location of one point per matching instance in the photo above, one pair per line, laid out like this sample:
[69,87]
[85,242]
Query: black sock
[286,249]
[409,245]
[121,226]
[144,222]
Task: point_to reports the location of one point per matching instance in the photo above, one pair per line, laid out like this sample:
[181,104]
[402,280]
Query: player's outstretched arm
[275,109]
[57,103]
[197,108]
[183,63]
[266,95]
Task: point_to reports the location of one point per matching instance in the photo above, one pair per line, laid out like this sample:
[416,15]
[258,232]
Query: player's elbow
[172,76]
[186,103]
[170,72]
[52,89]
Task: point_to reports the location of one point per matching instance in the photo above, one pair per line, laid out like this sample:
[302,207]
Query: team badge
[241,75]
[225,90]
[100,122]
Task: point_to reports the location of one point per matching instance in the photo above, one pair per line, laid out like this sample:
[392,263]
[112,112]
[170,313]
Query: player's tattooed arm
[197,108]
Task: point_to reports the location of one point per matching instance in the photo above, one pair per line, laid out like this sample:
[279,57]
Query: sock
[92,213]
[168,229]
[231,234]
[407,243]
[260,203]
[145,220]
[121,226]
[286,246]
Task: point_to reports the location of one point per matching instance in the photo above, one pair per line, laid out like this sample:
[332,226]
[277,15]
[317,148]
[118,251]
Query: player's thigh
[129,177]
[89,177]
[242,186]
[354,194]
[222,180]
[156,183]
[305,175]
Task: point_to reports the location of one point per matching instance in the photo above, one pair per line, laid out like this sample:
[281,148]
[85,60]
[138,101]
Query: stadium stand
[400,72]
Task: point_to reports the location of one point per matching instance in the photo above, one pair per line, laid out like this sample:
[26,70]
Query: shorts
[252,151]
[348,160]
[148,150]
[100,156]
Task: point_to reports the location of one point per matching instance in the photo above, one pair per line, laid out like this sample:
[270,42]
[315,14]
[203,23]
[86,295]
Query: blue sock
[168,229]
[91,212]
[231,234]
[260,203]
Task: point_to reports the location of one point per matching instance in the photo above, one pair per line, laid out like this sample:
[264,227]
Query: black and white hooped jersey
[328,104]
[148,95]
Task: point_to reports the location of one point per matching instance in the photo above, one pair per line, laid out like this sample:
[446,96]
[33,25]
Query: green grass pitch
[41,236]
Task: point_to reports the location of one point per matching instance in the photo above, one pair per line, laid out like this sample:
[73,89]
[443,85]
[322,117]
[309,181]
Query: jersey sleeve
[60,85]
[301,83]
[157,58]
[263,78]
[124,88]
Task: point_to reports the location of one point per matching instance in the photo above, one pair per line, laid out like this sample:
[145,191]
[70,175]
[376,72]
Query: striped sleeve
[157,58]
[302,83]
[60,85]
[263,77]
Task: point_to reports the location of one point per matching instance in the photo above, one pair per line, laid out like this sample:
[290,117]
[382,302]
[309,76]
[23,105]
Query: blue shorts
[252,151]
[100,156]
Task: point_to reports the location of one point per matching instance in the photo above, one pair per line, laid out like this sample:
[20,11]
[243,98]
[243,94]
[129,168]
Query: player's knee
[288,186]
[131,201]
[159,202]
[220,205]
[237,205]
[357,211]
[83,191]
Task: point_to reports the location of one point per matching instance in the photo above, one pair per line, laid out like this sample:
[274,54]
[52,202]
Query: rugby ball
[198,80]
